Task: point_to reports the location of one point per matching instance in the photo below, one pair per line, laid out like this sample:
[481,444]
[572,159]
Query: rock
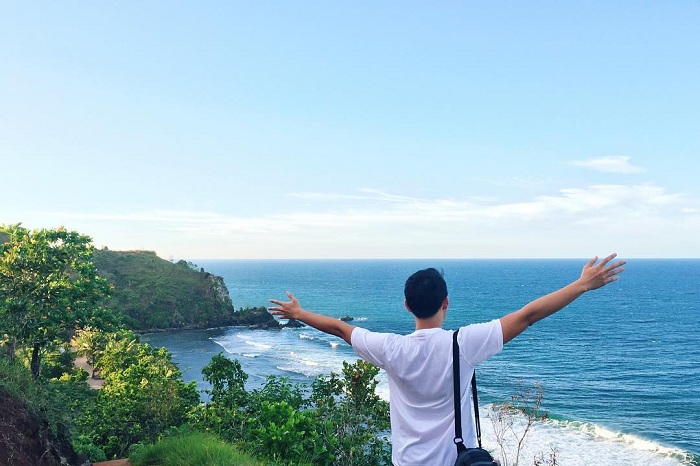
[293,323]
[255,317]
[26,439]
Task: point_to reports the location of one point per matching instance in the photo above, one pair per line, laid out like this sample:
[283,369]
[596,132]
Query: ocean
[620,366]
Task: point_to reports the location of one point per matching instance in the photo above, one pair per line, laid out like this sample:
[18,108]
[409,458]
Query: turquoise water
[620,366]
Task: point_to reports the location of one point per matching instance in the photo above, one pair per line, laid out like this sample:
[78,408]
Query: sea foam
[580,444]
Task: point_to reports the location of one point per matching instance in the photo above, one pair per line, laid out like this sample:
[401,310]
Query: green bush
[58,362]
[351,417]
[283,433]
[83,446]
[142,397]
[190,449]
[341,422]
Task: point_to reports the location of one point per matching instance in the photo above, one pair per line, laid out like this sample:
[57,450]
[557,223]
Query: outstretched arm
[592,277]
[292,310]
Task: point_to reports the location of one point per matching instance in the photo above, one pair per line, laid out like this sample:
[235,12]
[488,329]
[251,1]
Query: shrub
[190,449]
[143,396]
[341,422]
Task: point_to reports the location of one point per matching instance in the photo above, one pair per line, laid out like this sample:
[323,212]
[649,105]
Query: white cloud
[611,164]
[370,194]
[377,224]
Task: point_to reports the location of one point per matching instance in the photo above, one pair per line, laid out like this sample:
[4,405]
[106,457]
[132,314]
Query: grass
[17,381]
[191,449]
[57,403]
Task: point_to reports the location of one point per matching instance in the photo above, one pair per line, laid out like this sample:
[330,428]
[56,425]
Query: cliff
[26,439]
[154,294]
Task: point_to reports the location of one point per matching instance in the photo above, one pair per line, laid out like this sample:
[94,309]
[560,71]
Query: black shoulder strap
[459,441]
[475,399]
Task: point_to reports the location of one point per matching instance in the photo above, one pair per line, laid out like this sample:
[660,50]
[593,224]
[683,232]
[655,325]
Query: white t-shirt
[421,403]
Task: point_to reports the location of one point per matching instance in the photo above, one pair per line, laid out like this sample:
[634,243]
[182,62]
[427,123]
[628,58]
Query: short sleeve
[369,345]
[478,342]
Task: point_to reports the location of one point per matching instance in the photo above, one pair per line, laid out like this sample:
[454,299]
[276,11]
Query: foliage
[68,400]
[342,421]
[70,397]
[90,342]
[84,446]
[146,392]
[153,293]
[352,416]
[190,449]
[48,288]
[56,360]
[227,379]
[16,381]
[283,432]
[50,292]
[143,395]
[60,401]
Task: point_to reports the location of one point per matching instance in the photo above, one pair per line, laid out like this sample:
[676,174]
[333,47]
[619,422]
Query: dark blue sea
[620,366]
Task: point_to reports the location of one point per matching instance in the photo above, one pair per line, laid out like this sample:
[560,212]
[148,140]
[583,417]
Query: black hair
[425,292]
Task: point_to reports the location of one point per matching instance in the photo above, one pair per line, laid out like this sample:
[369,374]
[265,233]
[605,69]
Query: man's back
[419,366]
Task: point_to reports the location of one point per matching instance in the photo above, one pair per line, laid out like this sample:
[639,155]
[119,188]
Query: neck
[431,322]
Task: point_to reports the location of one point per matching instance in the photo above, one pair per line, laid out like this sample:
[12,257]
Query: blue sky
[355,129]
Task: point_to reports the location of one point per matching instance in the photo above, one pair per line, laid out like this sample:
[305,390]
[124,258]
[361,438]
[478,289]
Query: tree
[143,396]
[227,379]
[49,287]
[352,419]
[90,342]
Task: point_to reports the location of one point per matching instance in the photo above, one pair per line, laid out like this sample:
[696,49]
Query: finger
[608,259]
[617,267]
[591,262]
[290,295]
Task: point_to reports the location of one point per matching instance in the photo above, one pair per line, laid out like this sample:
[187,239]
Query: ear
[445,303]
[405,304]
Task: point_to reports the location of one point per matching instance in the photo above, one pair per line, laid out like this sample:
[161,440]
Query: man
[419,365]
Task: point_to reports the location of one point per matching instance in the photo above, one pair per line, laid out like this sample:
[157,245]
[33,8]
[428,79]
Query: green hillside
[152,293]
